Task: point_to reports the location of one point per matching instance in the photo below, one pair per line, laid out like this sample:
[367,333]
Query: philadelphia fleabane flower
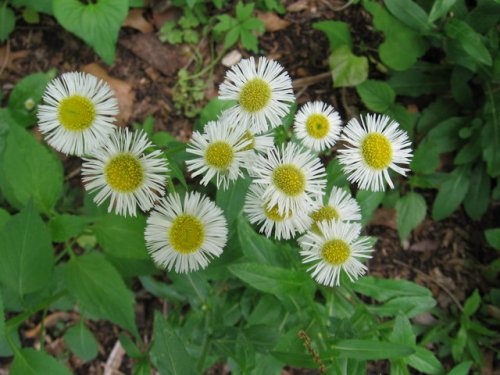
[269,219]
[317,126]
[263,92]
[221,151]
[185,235]
[293,179]
[258,144]
[376,145]
[121,171]
[337,248]
[78,113]
[340,206]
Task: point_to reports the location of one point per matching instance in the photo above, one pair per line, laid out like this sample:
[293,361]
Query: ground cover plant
[259,187]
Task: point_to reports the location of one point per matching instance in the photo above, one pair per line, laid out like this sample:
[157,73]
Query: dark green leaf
[7,21]
[409,306]
[231,37]
[385,289]
[369,350]
[472,304]
[461,369]
[368,202]
[440,8]
[4,217]
[44,6]
[290,350]
[2,319]
[469,40]
[425,361]
[420,79]
[337,32]
[426,157]
[347,69]
[212,111]
[32,362]
[451,193]
[435,113]
[411,210]
[232,200]
[378,96]
[129,346]
[493,237]
[63,227]
[257,248]
[410,13]
[244,11]
[81,342]
[478,196]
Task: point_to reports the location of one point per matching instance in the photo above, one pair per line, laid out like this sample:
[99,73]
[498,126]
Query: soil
[449,256]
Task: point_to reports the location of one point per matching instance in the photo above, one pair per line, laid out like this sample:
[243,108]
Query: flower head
[120,170]
[317,126]
[220,151]
[377,145]
[336,248]
[263,92]
[78,113]
[185,235]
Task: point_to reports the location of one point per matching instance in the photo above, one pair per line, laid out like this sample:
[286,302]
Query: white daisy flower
[263,92]
[317,126]
[377,145]
[292,177]
[268,219]
[221,152]
[259,144]
[337,248]
[79,113]
[340,206]
[185,236]
[121,171]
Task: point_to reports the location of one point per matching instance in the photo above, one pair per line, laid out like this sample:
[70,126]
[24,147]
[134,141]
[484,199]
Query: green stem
[206,341]
[171,186]
[209,66]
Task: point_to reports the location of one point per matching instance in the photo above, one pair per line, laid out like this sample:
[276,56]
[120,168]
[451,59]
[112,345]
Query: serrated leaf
[81,342]
[100,290]
[451,193]
[469,40]
[26,252]
[493,237]
[244,11]
[33,362]
[7,21]
[98,24]
[347,69]
[411,210]
[337,32]
[378,96]
[369,350]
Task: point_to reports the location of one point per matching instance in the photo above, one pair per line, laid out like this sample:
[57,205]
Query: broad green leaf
[438,111]
[98,24]
[378,96]
[129,346]
[451,193]
[26,252]
[256,247]
[461,369]
[28,170]
[440,8]
[411,14]
[212,111]
[168,353]
[445,134]
[31,16]
[420,79]
[337,32]
[244,11]
[25,97]
[7,21]
[400,114]
[426,157]
[249,41]
[122,236]
[472,304]
[347,69]
[469,40]
[402,333]
[100,290]
[44,6]
[81,341]
[232,200]
[411,210]
[142,367]
[409,306]
[65,226]
[493,237]
[368,202]
[4,217]
[425,361]
[478,196]
[33,362]
[385,289]
[369,350]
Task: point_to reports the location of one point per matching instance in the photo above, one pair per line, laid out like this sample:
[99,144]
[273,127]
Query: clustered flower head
[286,198]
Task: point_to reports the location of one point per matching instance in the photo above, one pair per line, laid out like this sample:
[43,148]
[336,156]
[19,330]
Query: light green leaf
[425,361]
[368,202]
[4,217]
[98,24]
[469,40]
[409,306]
[337,32]
[7,21]
[402,333]
[478,196]
[100,290]
[461,369]
[122,236]
[378,96]
[451,193]
[29,171]
[411,210]
[26,253]
[493,237]
[231,37]
[63,227]
[44,6]
[249,41]
[472,304]
[411,14]
[347,69]
[81,341]
[385,289]
[369,350]
[257,248]
[32,362]
[244,11]
[440,8]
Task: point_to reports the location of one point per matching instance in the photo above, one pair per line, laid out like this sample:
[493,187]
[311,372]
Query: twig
[7,57]
[73,173]
[311,80]
[114,360]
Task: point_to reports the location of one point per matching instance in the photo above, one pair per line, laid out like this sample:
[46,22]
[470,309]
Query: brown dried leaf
[123,90]
[298,6]
[136,20]
[385,217]
[8,57]
[425,246]
[272,22]
[50,321]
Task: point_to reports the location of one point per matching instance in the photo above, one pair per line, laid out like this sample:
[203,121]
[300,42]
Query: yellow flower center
[317,126]
[324,213]
[248,137]
[255,95]
[377,151]
[273,214]
[124,173]
[289,179]
[335,252]
[186,234]
[219,155]
[76,113]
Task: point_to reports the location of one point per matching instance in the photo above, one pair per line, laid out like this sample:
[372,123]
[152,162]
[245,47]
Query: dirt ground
[449,257]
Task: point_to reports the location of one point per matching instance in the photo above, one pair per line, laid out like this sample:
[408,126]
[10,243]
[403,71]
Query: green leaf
[411,210]
[168,353]
[257,248]
[440,8]
[212,111]
[43,6]
[290,350]
[409,306]
[63,227]
[411,14]
[7,21]
[337,32]
[378,96]
[426,157]
[81,342]
[461,369]
[231,37]
[385,289]
[368,202]
[244,11]
[402,333]
[100,290]
[122,236]
[30,15]
[32,362]
[469,40]
[26,252]
[2,319]
[29,171]
[4,217]
[232,200]
[425,361]
[347,69]
[98,24]
[420,79]
[451,193]
[438,111]
[472,304]
[493,237]
[249,41]
[478,196]
[369,350]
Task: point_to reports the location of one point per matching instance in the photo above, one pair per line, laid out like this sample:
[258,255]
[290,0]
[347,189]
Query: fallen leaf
[385,217]
[50,321]
[8,57]
[298,6]
[123,91]
[425,246]
[272,22]
[231,58]
[136,20]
